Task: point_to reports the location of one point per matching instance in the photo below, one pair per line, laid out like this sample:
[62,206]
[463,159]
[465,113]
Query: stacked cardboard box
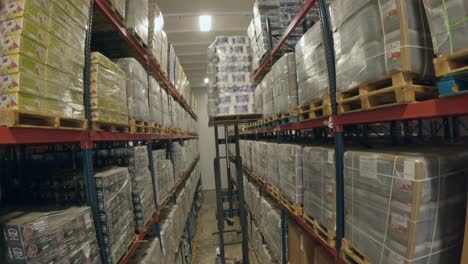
[406,206]
[285,84]
[290,163]
[374,39]
[268,99]
[142,185]
[42,57]
[230,88]
[261,250]
[137,89]
[312,76]
[164,171]
[137,19]
[272,165]
[271,226]
[42,235]
[449,25]
[114,197]
[108,93]
[119,6]
[320,185]
[258,97]
[165,108]
[259,158]
[155,100]
[164,54]
[301,245]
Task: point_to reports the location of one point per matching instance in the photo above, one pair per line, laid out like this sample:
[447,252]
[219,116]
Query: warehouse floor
[206,238]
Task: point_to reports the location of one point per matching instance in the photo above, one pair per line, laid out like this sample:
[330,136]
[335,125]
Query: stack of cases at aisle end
[155,107]
[320,186]
[164,171]
[42,57]
[230,90]
[155,31]
[42,235]
[142,186]
[108,93]
[136,19]
[114,195]
[280,13]
[137,89]
[405,206]
[377,39]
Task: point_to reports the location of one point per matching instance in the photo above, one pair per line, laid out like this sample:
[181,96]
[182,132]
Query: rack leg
[219,201]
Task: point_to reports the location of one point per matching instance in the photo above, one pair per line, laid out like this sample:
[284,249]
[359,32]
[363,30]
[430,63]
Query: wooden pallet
[157,129]
[401,88]
[273,191]
[315,109]
[454,84]
[351,254]
[233,119]
[326,235]
[15,118]
[139,127]
[296,209]
[451,63]
[287,119]
[110,127]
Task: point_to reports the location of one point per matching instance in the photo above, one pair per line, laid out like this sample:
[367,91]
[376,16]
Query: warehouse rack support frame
[240,192]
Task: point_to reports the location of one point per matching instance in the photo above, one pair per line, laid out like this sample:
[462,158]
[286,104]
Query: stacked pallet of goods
[136,20]
[108,93]
[230,92]
[42,61]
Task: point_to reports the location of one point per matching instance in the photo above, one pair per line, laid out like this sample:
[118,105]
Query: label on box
[406,185]
[389,9]
[394,50]
[399,223]
[409,170]
[368,167]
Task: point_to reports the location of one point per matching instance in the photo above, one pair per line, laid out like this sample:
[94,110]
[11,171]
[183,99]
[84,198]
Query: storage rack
[445,114]
[88,139]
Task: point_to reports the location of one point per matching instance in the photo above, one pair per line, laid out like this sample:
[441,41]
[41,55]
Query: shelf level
[140,53]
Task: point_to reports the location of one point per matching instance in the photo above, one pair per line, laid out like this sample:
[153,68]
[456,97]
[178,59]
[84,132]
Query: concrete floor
[206,238]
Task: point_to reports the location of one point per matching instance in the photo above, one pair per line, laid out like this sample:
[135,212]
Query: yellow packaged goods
[30,103]
[56,92]
[73,36]
[24,27]
[67,52]
[13,63]
[98,58]
[73,15]
[22,82]
[34,10]
[59,61]
[66,80]
[102,87]
[23,45]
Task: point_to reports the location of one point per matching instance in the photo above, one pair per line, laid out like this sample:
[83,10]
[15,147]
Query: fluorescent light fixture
[206,80]
[205,23]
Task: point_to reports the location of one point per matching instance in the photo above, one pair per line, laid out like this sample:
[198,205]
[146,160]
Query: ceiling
[229,18]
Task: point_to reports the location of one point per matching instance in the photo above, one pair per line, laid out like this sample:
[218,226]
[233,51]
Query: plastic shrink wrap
[137,19]
[137,89]
[114,199]
[320,186]
[398,204]
[230,90]
[267,95]
[164,174]
[448,21]
[374,39]
[312,76]
[285,84]
[42,57]
[155,28]
[290,163]
[44,235]
[271,226]
[155,102]
[108,92]
[142,185]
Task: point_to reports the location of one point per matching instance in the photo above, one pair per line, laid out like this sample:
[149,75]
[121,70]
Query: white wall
[207,141]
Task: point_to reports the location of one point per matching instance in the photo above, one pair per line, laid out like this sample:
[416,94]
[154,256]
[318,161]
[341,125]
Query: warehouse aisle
[206,238]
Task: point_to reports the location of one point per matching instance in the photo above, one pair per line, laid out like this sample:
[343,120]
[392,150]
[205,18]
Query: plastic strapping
[449,30]
[388,209]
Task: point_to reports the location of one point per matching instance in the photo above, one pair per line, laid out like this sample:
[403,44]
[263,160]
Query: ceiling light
[206,80]
[205,23]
